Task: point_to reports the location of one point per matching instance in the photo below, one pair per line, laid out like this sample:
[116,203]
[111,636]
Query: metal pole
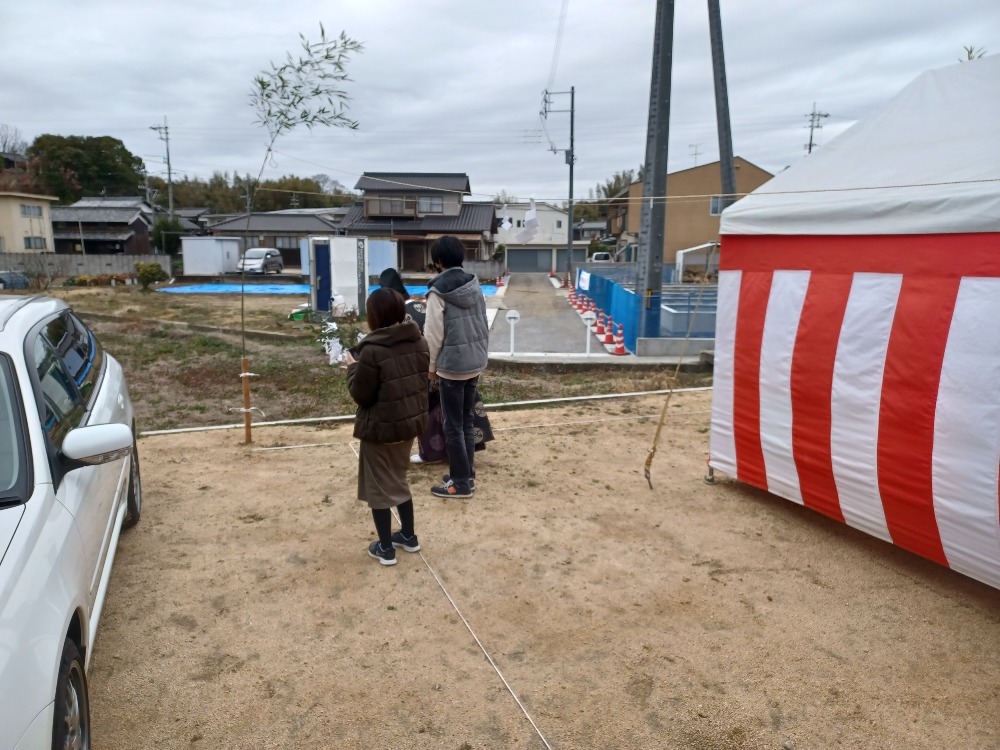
[722,107]
[570,158]
[649,278]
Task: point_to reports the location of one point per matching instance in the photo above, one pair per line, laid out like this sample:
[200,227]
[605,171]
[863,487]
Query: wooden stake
[245,364]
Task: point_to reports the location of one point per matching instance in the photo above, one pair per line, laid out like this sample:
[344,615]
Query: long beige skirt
[382,473]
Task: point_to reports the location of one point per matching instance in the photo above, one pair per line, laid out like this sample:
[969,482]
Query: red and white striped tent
[857,360]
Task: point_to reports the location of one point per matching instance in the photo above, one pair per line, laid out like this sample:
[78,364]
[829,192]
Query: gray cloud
[451,85]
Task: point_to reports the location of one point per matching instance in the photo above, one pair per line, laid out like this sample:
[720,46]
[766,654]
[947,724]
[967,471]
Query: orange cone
[499,281]
[600,325]
[619,342]
[609,335]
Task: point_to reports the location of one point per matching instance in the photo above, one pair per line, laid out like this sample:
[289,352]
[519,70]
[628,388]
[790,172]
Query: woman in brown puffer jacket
[387,378]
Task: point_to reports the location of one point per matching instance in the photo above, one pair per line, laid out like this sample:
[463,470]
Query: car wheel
[279,269]
[133,500]
[71,722]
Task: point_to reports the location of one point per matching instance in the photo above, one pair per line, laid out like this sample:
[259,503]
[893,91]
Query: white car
[260,260]
[69,483]
[601,258]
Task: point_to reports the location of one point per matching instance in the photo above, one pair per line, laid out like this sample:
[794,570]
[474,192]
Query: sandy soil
[244,611]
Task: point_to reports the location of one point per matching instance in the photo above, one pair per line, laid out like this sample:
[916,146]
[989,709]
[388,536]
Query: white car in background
[69,482]
[260,260]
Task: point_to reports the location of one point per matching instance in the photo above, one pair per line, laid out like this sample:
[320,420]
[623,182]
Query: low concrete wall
[486,270]
[673,347]
[57,264]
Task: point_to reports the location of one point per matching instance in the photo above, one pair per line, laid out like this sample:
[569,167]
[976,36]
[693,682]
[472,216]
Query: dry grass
[184,378]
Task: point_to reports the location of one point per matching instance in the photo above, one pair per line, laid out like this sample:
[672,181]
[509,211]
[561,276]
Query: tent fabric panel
[906,413]
[854,399]
[926,162]
[928,255]
[722,445]
[788,291]
[966,468]
[811,387]
[754,291]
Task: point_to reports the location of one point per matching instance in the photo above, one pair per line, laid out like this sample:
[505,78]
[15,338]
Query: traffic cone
[619,342]
[599,330]
[552,273]
[499,281]
[609,335]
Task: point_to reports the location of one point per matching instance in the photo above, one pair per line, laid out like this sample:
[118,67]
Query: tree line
[71,167]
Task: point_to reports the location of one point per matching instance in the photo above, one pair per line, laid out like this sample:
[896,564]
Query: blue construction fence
[678,310]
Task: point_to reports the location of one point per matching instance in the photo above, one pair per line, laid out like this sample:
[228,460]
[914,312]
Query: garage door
[529,259]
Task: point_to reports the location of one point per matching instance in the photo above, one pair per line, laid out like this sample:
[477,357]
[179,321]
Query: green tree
[167,234]
[149,273]
[73,166]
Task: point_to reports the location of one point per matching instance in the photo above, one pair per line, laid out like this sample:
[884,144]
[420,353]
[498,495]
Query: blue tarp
[302,289]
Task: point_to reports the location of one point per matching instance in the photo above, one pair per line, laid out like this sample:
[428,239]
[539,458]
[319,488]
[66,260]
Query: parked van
[601,258]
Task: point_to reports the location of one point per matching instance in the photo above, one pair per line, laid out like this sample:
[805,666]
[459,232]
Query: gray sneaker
[450,490]
[380,553]
[409,543]
[472,481]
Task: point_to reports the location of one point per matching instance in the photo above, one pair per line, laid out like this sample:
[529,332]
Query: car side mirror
[95,444]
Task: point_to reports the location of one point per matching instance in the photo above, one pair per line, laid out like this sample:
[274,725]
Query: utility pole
[814,124]
[570,157]
[164,133]
[649,268]
[726,164]
[695,151]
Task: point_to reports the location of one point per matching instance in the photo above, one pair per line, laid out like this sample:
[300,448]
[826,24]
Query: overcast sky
[456,85]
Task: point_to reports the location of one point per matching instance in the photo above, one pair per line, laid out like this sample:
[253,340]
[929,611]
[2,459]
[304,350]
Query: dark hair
[448,251]
[384,308]
[389,279]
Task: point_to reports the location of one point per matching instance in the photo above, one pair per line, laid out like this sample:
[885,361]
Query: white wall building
[546,251]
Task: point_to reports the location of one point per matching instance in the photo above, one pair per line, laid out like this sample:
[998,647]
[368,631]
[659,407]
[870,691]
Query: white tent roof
[927,163]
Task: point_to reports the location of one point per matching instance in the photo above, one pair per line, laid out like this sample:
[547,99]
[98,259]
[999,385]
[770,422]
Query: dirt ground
[244,611]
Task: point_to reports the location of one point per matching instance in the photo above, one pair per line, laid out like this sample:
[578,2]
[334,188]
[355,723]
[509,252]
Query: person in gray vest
[457,334]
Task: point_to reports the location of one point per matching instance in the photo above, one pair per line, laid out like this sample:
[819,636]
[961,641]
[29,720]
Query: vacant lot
[184,377]
[245,612]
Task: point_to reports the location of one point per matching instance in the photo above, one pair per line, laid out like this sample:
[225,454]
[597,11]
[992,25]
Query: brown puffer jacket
[389,383]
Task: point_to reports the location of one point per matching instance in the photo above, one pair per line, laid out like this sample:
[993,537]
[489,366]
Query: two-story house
[546,250]
[104,226]
[414,209]
[25,223]
[694,203]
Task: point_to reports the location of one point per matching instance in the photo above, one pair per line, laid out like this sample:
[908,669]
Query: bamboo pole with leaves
[304,91]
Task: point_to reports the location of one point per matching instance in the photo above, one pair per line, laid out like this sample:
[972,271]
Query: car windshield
[12,456]
[254,254]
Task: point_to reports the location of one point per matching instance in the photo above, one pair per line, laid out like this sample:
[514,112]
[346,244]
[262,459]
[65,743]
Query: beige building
[694,198]
[26,223]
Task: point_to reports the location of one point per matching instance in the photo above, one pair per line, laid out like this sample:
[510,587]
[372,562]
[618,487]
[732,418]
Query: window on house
[34,243]
[716,208]
[287,243]
[558,223]
[34,211]
[390,205]
[519,223]
[430,204]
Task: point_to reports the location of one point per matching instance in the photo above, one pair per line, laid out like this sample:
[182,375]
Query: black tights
[383,522]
